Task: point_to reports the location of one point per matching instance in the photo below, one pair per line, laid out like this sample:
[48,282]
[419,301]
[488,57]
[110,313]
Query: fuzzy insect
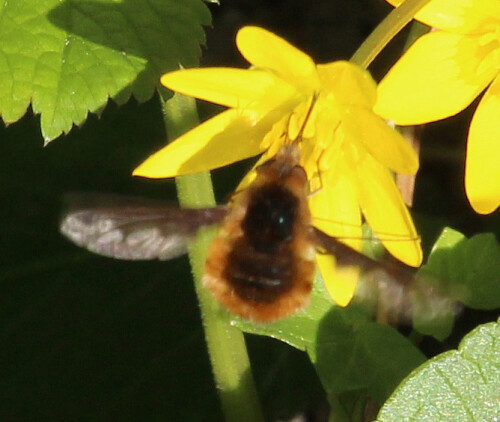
[261,263]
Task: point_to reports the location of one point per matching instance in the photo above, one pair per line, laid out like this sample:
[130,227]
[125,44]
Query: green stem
[337,411]
[226,344]
[386,31]
[417,29]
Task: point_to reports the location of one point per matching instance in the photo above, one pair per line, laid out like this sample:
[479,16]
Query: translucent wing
[401,293]
[347,256]
[133,228]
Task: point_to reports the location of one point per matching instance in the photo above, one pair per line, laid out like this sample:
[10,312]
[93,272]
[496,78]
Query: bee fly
[261,263]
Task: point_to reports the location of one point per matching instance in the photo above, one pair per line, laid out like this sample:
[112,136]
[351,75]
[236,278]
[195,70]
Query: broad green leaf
[460,385]
[69,57]
[434,310]
[348,350]
[371,356]
[299,330]
[470,267]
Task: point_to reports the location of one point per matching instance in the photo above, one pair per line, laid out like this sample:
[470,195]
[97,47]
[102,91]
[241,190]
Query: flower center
[489,51]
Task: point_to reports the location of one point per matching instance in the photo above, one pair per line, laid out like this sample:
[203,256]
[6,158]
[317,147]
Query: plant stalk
[226,344]
[386,31]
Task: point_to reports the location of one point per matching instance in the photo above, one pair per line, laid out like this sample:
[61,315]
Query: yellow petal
[349,83]
[482,169]
[385,144]
[460,16]
[226,86]
[437,77]
[384,209]
[335,208]
[340,282]
[266,50]
[214,143]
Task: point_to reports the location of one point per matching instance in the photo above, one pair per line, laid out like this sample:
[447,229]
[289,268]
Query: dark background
[88,338]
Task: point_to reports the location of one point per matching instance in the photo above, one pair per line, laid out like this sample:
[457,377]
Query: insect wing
[402,294]
[346,256]
[133,228]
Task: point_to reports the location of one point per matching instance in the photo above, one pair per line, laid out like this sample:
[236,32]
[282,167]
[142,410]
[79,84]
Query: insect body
[261,264]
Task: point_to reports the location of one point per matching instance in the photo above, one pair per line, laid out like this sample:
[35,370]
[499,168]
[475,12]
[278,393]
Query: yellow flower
[344,142]
[442,73]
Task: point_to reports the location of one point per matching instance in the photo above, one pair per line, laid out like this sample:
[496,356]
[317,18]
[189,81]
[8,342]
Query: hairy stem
[226,344]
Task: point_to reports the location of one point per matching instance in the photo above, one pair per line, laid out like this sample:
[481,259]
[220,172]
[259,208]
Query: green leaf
[470,267]
[434,311]
[372,356]
[460,385]
[348,350]
[68,58]
[299,330]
